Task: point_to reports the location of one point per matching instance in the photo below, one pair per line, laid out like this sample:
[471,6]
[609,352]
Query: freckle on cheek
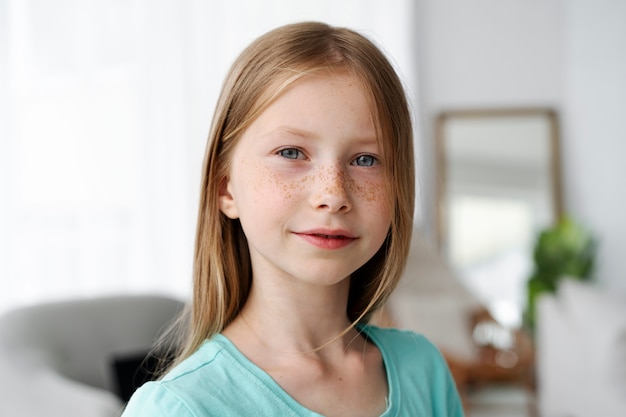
[287,186]
[287,191]
[371,192]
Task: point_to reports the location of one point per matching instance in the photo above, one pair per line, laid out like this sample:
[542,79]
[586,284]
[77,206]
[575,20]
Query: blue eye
[365,160]
[290,153]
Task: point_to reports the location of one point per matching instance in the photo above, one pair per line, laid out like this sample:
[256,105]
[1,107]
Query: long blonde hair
[222,271]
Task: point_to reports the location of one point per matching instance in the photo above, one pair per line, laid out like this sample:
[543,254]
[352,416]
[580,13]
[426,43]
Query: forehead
[297,90]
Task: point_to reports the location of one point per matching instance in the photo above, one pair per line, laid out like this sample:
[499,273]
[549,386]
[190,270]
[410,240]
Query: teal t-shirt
[219,381]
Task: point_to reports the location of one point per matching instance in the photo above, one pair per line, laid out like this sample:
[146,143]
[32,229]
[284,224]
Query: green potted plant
[564,250]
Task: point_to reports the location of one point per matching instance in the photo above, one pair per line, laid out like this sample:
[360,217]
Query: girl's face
[307,182]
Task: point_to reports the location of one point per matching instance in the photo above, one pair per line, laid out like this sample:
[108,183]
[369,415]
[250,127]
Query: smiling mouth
[330,236]
[327,241]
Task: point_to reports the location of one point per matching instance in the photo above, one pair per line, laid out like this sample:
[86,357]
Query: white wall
[485,53]
[568,55]
[595,127]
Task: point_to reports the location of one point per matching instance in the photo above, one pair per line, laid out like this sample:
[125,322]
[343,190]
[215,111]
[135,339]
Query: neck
[297,320]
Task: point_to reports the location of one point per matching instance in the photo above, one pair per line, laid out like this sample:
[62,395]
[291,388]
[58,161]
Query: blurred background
[105,107]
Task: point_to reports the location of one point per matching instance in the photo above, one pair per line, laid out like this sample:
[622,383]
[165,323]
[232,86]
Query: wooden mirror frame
[441,162]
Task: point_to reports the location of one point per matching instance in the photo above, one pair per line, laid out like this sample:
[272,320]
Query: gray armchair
[56,359]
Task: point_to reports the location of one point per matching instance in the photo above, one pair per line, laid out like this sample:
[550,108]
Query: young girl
[304,225]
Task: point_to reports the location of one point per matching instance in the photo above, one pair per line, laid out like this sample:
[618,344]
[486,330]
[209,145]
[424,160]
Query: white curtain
[104,110]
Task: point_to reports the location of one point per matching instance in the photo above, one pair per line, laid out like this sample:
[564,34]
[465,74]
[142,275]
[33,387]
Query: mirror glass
[498,186]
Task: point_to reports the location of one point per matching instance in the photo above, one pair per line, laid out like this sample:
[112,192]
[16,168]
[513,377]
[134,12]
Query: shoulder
[184,389]
[416,365]
[210,355]
[403,344]
[155,400]
[217,380]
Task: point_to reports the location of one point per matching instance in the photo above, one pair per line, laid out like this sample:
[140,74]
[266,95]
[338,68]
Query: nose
[331,190]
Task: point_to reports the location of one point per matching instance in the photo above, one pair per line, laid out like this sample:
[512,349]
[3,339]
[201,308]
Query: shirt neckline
[258,373]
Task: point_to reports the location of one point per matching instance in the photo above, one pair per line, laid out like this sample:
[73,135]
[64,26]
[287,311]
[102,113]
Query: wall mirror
[498,184]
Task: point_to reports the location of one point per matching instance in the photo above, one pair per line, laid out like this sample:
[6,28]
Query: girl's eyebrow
[304,134]
[291,131]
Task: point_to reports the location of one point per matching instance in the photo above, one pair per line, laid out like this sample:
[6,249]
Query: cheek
[374,195]
[376,205]
[278,187]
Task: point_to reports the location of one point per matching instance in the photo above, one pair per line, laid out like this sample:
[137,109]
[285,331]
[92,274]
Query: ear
[226,199]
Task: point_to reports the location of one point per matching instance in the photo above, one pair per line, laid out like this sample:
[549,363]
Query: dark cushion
[131,371]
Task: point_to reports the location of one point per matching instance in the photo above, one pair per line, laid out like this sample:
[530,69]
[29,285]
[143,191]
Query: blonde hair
[222,270]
